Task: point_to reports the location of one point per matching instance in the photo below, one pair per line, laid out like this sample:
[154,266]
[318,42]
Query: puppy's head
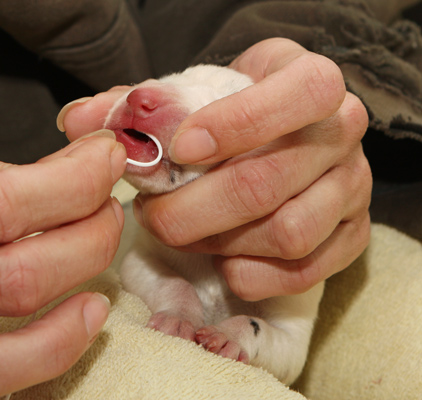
[157,107]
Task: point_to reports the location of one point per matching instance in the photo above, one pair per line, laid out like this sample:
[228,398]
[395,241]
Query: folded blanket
[129,361]
[367,343]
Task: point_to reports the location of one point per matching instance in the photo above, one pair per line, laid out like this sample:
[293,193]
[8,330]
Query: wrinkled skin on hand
[278,220]
[66,196]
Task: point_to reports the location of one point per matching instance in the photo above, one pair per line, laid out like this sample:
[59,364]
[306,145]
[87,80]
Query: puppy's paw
[172,325]
[215,340]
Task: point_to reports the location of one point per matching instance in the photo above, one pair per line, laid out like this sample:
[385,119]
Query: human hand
[290,213]
[290,206]
[66,196]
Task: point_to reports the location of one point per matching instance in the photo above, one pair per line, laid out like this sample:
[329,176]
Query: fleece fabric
[367,343]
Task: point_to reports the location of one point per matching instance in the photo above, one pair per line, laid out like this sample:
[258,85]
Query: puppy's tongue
[138,146]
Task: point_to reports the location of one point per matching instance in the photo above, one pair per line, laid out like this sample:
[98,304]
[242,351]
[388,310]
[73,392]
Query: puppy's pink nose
[143,102]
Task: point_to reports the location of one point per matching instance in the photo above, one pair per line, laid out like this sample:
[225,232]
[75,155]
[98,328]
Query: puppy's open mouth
[136,135]
[138,145]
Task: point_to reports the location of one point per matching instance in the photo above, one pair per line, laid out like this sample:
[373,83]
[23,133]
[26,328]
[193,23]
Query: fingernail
[100,133]
[192,146]
[65,109]
[95,313]
[118,210]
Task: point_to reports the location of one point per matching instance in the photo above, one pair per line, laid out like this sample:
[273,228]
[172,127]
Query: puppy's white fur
[183,290]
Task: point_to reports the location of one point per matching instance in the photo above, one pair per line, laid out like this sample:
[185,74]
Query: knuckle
[362,232]
[18,286]
[242,120]
[324,81]
[254,279]
[303,275]
[255,190]
[355,117]
[362,167]
[237,273]
[166,226]
[295,233]
[360,182]
[6,207]
[10,227]
[243,114]
[308,275]
[363,170]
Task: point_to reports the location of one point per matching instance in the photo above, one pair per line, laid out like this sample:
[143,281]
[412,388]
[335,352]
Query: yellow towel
[129,361]
[367,343]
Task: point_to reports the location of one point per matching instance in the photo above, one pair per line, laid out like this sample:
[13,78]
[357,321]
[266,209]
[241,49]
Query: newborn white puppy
[185,294]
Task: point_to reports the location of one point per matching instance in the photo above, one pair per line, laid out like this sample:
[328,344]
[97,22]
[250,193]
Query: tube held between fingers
[153,162]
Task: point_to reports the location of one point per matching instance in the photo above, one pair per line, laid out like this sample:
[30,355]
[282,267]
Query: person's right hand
[67,197]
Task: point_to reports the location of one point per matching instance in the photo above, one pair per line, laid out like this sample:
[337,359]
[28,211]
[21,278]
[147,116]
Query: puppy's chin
[166,178]
[149,184]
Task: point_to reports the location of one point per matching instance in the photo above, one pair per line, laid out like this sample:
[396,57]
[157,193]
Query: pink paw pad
[172,325]
[216,341]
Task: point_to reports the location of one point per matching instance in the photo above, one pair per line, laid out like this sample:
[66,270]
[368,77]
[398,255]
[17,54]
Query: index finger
[294,88]
[88,114]
[58,190]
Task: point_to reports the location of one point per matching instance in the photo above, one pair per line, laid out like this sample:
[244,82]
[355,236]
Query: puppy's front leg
[277,340]
[173,301]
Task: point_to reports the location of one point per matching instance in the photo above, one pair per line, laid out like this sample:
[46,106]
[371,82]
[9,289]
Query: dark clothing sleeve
[379,53]
[97,41]
[53,51]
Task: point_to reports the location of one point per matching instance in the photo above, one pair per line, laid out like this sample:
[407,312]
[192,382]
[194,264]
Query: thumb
[48,347]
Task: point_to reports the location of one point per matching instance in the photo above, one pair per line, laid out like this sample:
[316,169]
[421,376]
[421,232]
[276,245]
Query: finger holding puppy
[278,213]
[281,138]
[293,88]
[302,175]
